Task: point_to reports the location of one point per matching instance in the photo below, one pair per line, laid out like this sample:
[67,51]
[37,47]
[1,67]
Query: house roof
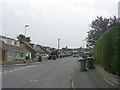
[28,44]
[6,37]
[9,47]
[40,49]
[48,49]
[37,48]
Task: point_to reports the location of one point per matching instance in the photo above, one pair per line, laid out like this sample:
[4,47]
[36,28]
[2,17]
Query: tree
[98,27]
[28,39]
[21,37]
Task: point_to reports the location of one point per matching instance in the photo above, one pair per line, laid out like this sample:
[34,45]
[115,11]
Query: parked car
[75,55]
[53,55]
[45,56]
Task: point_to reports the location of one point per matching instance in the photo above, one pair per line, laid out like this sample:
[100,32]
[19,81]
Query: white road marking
[20,68]
[23,68]
[15,69]
[29,66]
[33,80]
[26,66]
[108,82]
[11,71]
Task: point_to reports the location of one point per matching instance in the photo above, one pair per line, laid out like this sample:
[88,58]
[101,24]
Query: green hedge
[107,50]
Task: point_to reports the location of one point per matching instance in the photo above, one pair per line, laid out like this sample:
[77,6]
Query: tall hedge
[107,50]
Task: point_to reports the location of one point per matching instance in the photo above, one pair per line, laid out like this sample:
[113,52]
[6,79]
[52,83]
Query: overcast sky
[52,19]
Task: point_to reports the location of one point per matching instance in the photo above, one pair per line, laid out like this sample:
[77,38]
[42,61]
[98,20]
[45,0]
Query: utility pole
[25,29]
[83,43]
[58,46]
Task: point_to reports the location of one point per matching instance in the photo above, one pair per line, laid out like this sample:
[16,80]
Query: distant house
[48,50]
[35,50]
[10,49]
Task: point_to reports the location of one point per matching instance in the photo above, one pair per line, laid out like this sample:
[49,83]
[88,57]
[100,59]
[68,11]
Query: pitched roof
[1,36]
[48,49]
[9,47]
[38,49]
[28,44]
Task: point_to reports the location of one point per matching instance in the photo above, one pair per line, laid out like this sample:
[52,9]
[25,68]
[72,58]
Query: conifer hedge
[107,50]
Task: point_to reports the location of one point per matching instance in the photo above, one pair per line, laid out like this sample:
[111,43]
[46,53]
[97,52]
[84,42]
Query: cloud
[53,19]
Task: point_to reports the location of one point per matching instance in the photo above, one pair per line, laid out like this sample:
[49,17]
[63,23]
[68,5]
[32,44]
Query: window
[22,54]
[10,53]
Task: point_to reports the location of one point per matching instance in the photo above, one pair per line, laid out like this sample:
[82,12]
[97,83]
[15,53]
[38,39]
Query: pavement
[89,79]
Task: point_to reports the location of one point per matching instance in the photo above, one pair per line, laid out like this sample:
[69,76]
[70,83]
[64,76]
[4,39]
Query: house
[35,50]
[10,49]
[12,52]
[9,40]
[48,50]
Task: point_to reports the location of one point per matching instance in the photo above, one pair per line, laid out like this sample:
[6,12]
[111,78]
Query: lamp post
[58,46]
[83,43]
[25,29]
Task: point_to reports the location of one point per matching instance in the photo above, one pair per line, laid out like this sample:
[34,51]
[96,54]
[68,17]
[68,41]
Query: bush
[27,57]
[107,50]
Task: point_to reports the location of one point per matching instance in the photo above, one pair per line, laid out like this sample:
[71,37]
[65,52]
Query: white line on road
[15,69]
[23,68]
[29,66]
[19,68]
[33,80]
[108,82]
[11,71]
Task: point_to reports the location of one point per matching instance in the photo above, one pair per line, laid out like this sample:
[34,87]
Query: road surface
[51,74]
[60,73]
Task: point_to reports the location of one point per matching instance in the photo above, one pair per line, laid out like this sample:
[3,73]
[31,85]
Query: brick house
[48,50]
[11,52]
[35,50]
[10,49]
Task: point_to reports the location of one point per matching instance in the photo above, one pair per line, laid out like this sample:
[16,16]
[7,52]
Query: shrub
[27,57]
[107,50]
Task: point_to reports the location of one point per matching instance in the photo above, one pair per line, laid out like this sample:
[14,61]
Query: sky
[49,20]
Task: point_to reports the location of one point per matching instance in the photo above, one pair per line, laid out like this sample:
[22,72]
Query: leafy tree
[28,39]
[98,27]
[21,37]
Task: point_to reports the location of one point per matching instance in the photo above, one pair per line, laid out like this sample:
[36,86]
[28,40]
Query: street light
[25,28]
[83,43]
[58,46]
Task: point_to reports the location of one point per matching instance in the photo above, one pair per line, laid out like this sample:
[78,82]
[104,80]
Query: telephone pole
[58,46]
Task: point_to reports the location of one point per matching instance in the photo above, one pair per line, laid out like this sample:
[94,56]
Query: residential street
[60,73]
[52,74]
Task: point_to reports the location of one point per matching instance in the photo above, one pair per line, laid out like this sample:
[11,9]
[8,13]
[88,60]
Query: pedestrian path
[89,79]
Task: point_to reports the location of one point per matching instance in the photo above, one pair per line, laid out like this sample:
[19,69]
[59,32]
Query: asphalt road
[60,73]
[51,74]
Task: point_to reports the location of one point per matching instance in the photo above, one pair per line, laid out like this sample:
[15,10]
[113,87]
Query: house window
[22,54]
[15,54]
[18,55]
[10,53]
[10,41]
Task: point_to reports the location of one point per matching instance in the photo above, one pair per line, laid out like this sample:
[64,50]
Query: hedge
[107,50]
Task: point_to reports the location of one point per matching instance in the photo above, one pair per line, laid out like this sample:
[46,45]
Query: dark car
[53,55]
